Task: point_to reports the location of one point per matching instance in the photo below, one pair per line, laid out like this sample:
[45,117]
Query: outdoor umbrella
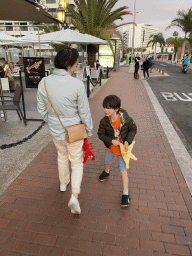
[71,36]
[24,10]
[5,37]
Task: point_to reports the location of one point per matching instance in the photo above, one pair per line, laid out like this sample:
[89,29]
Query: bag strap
[52,105]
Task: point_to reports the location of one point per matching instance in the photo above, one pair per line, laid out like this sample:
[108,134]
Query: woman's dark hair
[66,57]
[112,101]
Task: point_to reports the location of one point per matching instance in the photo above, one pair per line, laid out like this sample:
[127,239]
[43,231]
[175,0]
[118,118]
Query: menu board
[34,69]
[106,56]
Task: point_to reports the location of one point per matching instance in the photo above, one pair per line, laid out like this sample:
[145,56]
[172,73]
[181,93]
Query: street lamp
[131,66]
[61,13]
[63,3]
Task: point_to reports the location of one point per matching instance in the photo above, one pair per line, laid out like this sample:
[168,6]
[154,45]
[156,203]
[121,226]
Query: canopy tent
[24,10]
[5,37]
[71,36]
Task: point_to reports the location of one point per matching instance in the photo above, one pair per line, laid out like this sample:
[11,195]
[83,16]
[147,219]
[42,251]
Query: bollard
[88,86]
[100,78]
[163,72]
[107,72]
[159,70]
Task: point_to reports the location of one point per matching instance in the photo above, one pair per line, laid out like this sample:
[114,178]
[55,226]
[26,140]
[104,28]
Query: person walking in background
[137,61]
[146,67]
[69,98]
[115,128]
[129,60]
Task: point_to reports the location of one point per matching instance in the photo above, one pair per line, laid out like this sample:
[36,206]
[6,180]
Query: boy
[114,128]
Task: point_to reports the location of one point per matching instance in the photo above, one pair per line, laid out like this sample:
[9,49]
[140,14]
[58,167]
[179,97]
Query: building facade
[23,28]
[142,34]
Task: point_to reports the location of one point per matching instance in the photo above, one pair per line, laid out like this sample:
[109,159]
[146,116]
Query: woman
[146,67]
[12,67]
[137,60]
[68,97]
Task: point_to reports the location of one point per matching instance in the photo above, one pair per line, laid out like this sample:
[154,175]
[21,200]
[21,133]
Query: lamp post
[131,66]
[61,13]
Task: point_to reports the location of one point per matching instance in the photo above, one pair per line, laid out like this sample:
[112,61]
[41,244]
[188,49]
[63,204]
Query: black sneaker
[125,200]
[103,175]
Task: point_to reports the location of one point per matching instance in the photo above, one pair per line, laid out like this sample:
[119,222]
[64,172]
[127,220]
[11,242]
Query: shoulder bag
[73,133]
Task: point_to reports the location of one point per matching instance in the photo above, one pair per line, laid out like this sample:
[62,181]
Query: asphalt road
[174,93]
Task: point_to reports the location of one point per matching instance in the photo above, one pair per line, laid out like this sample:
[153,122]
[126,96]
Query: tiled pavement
[35,219]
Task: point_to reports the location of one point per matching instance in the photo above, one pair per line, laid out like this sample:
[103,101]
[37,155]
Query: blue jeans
[109,157]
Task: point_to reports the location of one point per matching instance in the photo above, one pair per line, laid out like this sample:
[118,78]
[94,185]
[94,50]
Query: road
[174,93]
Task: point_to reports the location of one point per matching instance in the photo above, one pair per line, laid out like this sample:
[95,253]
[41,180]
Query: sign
[34,69]
[106,57]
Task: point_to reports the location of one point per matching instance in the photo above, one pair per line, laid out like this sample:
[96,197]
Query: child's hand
[116,142]
[126,145]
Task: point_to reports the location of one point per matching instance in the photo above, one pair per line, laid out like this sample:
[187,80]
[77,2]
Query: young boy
[117,126]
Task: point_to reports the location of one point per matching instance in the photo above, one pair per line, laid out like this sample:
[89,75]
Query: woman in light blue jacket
[68,97]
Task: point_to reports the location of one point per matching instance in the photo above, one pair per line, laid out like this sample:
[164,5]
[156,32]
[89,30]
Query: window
[22,26]
[53,12]
[9,26]
[50,1]
[2,28]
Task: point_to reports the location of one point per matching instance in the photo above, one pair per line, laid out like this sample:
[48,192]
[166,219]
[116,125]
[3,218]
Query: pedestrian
[68,96]
[146,67]
[129,60]
[137,61]
[117,126]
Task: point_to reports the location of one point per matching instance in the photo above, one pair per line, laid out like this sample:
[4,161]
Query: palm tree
[183,21]
[177,42]
[97,17]
[155,39]
[189,40]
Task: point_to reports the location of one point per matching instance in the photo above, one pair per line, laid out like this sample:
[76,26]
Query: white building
[23,28]
[13,28]
[142,33]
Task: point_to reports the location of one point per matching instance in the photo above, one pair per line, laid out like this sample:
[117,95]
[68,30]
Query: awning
[24,10]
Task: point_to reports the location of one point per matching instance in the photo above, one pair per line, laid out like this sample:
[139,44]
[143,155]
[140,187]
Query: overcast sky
[158,13]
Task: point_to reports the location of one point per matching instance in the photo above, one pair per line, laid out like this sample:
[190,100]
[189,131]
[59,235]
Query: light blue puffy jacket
[69,99]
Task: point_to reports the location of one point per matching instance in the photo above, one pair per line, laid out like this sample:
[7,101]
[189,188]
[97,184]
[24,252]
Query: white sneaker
[74,205]
[63,187]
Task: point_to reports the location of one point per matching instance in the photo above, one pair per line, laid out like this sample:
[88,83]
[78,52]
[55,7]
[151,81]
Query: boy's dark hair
[112,101]
[66,57]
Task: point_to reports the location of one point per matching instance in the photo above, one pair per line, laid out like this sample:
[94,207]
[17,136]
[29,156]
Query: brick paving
[35,219]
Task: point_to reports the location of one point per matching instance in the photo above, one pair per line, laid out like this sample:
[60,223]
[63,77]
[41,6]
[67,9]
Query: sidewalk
[35,219]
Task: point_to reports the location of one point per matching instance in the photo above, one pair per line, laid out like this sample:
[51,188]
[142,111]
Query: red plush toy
[87,147]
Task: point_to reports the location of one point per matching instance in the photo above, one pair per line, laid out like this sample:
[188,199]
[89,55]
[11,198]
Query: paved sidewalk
[35,219]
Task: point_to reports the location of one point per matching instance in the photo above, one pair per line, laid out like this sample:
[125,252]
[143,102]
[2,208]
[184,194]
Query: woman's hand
[126,145]
[116,142]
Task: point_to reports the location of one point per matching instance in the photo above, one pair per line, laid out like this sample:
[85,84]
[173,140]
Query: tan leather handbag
[73,133]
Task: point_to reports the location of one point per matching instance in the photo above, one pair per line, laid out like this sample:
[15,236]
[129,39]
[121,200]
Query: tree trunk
[176,58]
[183,47]
[91,58]
[172,59]
[155,51]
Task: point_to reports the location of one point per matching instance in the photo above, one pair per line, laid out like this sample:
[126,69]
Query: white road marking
[182,156]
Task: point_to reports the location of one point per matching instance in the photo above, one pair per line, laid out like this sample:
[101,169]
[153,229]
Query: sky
[158,13]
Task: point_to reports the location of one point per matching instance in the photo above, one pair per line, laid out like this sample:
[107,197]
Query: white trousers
[74,153]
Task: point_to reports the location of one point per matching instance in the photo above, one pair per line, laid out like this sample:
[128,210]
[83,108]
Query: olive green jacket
[128,129]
